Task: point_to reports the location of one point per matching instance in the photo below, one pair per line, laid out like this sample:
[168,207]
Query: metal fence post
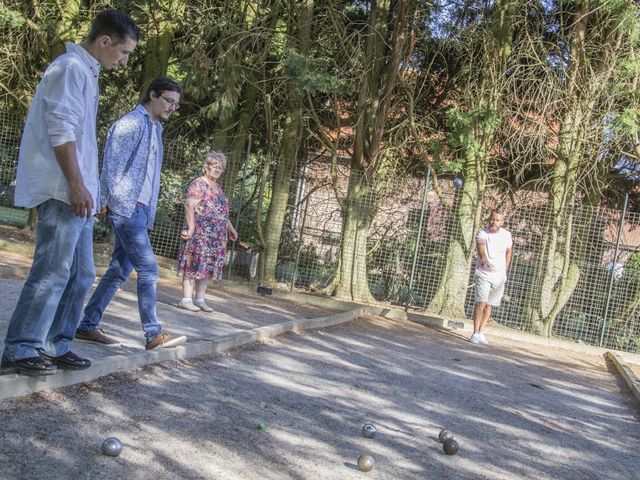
[613,269]
[240,200]
[295,268]
[427,187]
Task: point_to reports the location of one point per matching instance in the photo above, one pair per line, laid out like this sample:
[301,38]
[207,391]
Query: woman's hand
[233,235]
[186,234]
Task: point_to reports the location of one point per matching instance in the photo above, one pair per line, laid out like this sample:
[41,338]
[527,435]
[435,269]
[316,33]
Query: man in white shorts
[495,248]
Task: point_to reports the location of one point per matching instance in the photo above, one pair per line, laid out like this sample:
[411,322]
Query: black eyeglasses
[171,102]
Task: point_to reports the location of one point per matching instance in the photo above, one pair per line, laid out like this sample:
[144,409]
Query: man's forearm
[80,198]
[482,254]
[68,161]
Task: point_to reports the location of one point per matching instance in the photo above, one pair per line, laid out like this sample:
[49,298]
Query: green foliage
[468,126]
[279,40]
[628,340]
[10,18]
[171,188]
[629,67]
[632,267]
[623,13]
[627,121]
[311,74]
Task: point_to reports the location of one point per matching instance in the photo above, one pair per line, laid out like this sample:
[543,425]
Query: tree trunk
[160,32]
[239,93]
[557,273]
[449,299]
[388,26]
[474,130]
[66,29]
[288,155]
[351,279]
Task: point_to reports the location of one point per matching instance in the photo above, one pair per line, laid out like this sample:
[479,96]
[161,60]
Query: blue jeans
[50,304]
[132,249]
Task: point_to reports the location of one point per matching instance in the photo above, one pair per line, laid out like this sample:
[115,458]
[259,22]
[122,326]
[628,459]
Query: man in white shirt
[58,175]
[495,248]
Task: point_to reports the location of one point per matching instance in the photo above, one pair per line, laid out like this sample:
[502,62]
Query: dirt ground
[517,411]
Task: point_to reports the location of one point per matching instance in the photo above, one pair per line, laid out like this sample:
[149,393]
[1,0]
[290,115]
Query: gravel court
[517,410]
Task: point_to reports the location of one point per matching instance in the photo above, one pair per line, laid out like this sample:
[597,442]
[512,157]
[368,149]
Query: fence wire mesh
[10,132]
[399,240]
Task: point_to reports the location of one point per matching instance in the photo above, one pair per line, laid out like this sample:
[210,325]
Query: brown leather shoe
[164,340]
[97,336]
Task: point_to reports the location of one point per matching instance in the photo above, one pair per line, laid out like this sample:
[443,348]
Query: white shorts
[489,290]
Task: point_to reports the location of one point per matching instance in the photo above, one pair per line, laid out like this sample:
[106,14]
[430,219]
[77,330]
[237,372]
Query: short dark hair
[114,23]
[159,85]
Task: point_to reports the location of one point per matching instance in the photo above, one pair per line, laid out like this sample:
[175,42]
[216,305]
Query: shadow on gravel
[517,412]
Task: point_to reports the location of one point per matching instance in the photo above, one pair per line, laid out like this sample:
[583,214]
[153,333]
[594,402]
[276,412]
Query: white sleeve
[481,237]
[64,102]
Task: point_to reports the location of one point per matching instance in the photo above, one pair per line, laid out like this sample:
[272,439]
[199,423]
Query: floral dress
[202,256]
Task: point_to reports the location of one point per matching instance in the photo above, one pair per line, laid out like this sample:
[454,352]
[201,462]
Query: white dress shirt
[64,109]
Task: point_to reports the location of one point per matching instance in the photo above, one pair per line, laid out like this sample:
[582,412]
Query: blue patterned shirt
[125,162]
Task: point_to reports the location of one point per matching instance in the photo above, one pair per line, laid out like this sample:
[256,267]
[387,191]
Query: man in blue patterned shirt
[129,187]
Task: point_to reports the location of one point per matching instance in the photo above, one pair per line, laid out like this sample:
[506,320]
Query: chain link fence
[404,253]
[10,132]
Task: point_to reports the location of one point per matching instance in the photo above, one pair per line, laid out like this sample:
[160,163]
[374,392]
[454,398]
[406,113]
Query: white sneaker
[188,305]
[483,340]
[475,338]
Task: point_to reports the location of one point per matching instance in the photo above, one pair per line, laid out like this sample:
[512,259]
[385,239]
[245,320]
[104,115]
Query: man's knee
[148,271]
[87,277]
[482,306]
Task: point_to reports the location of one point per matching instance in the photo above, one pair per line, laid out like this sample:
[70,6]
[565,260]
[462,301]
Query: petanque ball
[450,447]
[365,462]
[262,427]
[457,182]
[369,430]
[444,435]
[111,447]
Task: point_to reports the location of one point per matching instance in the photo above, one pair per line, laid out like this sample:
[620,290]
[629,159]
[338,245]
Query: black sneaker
[68,361]
[32,366]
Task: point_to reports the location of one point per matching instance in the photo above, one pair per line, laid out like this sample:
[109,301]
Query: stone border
[14,385]
[626,372]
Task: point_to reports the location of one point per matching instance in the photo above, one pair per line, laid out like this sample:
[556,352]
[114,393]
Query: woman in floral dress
[204,237]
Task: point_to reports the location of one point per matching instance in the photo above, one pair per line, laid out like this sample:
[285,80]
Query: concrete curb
[627,373]
[435,321]
[14,385]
